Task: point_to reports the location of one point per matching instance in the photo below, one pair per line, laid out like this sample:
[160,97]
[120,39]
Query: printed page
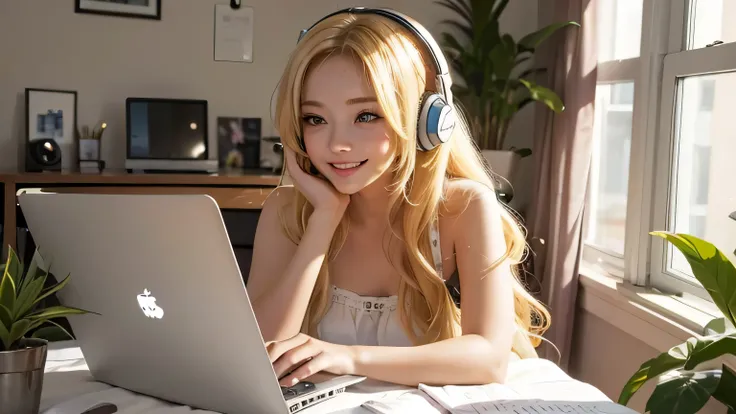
[548,407]
[496,398]
[415,401]
[458,398]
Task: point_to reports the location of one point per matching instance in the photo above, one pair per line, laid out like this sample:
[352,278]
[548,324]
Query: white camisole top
[352,319]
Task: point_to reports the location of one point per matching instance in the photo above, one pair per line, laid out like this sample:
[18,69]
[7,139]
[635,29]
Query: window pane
[619,29]
[704,184]
[711,20]
[606,221]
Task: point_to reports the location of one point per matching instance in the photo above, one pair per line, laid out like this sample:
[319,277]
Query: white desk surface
[68,380]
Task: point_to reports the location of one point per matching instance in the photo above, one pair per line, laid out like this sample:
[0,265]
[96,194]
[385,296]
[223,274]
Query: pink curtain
[562,156]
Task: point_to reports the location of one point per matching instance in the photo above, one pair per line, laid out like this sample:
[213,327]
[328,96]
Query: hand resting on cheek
[320,193]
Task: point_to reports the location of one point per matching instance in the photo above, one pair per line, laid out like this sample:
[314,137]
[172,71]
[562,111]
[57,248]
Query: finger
[295,357]
[315,365]
[276,349]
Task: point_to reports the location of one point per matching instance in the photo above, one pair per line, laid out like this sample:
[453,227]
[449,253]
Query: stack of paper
[497,398]
[493,398]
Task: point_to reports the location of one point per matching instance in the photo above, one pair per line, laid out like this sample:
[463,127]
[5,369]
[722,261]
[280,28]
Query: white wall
[44,44]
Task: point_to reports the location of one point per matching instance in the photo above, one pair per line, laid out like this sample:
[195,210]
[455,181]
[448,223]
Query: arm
[282,274]
[481,354]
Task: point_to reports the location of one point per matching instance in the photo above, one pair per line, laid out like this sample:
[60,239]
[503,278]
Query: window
[664,150]
[619,46]
[697,190]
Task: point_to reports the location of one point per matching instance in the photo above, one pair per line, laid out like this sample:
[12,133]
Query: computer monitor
[167,134]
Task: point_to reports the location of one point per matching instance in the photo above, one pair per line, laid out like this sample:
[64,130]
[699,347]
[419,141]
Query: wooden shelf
[122,177]
[237,190]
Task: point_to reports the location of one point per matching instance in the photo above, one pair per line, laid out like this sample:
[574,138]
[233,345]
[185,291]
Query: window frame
[663,60]
[677,67]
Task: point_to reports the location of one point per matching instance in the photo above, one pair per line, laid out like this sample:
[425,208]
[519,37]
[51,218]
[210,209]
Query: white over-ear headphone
[436,119]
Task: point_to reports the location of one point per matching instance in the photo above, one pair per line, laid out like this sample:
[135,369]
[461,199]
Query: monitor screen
[166,129]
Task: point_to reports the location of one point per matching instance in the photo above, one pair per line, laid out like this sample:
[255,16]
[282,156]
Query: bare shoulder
[466,199]
[271,244]
[280,204]
[279,198]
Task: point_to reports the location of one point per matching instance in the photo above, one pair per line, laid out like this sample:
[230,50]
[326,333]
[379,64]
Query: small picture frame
[239,142]
[142,9]
[51,114]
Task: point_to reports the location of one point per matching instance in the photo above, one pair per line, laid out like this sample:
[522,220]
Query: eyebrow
[351,101]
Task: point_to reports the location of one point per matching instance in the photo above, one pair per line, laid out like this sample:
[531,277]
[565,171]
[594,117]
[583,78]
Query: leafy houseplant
[495,87]
[26,326]
[682,388]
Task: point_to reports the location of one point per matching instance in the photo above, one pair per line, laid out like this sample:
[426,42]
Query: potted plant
[26,326]
[685,385]
[494,86]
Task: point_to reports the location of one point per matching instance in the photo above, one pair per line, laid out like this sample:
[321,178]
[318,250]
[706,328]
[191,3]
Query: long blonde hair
[396,70]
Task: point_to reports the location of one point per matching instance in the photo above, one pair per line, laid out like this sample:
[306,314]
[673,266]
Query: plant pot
[503,163]
[21,377]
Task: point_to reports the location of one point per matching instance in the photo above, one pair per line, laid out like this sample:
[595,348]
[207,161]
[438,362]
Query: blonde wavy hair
[395,67]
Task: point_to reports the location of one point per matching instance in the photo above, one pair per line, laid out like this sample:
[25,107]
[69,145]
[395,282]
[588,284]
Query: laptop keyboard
[298,389]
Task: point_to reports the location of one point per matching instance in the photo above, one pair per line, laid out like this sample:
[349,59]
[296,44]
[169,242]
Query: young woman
[354,265]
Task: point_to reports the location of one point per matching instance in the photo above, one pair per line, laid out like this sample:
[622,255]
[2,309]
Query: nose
[339,141]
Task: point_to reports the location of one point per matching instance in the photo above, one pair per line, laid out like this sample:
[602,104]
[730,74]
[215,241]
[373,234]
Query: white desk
[67,379]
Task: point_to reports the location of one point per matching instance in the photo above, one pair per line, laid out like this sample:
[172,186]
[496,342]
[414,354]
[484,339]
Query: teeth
[346,166]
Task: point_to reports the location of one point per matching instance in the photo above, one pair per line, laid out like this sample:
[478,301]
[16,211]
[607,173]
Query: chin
[347,188]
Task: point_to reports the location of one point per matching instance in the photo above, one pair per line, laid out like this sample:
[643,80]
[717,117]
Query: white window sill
[657,319]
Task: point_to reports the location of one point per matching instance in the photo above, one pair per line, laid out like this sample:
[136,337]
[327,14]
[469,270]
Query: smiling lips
[346,169]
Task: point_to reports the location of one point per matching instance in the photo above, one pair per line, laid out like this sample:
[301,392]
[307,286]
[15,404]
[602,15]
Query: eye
[313,119]
[367,117]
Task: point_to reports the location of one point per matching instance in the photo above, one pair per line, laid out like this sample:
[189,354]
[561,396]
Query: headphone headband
[443,73]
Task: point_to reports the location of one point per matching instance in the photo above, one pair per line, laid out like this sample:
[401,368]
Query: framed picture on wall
[51,114]
[144,9]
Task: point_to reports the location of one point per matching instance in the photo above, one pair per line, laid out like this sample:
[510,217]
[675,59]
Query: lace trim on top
[365,303]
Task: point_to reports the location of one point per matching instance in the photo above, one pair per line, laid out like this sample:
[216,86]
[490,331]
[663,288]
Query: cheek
[381,144]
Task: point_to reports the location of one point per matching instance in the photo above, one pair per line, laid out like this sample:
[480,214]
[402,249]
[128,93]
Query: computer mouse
[102,408]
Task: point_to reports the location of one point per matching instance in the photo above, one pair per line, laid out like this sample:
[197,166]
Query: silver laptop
[176,322]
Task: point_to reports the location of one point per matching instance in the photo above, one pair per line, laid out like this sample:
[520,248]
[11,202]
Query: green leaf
[544,95]
[7,283]
[19,329]
[710,348]
[710,267]
[717,326]
[451,42]
[34,270]
[534,39]
[674,358]
[467,31]
[725,390]
[52,333]
[53,289]
[4,337]
[56,312]
[27,297]
[499,9]
[459,7]
[6,316]
[683,392]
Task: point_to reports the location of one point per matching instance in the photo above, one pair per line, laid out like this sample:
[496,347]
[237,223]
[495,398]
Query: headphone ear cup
[435,122]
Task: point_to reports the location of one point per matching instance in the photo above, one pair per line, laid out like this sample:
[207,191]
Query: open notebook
[496,398]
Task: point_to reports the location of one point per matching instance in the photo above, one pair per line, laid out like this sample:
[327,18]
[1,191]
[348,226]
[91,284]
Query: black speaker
[43,155]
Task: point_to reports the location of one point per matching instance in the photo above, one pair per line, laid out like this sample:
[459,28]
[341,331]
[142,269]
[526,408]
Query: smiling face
[345,133]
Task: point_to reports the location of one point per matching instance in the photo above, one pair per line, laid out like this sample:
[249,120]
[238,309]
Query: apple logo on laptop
[149,306]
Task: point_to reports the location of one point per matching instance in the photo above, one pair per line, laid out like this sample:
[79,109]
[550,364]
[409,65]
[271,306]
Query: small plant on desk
[26,326]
